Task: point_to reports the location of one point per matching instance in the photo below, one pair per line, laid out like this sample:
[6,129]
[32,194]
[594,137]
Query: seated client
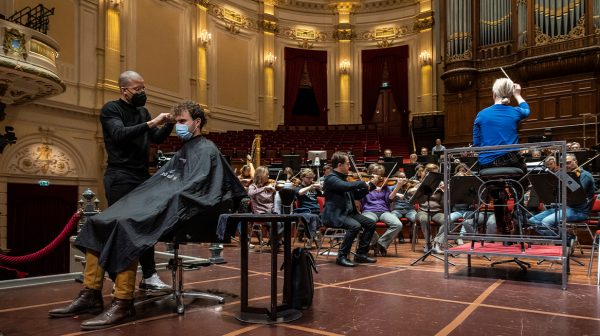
[195,180]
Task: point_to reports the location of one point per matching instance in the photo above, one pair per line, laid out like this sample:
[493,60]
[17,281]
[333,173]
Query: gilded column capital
[344,32]
[423,23]
[344,7]
[202,3]
[269,23]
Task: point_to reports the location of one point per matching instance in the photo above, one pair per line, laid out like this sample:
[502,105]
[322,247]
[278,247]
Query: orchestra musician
[376,205]
[307,192]
[308,206]
[340,210]
[434,208]
[262,195]
[545,223]
[497,125]
[247,173]
[401,206]
[551,165]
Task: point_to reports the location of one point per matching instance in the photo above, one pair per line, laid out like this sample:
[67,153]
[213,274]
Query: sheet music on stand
[426,188]
[464,190]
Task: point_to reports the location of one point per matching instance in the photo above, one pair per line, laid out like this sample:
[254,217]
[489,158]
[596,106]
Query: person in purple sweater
[376,206]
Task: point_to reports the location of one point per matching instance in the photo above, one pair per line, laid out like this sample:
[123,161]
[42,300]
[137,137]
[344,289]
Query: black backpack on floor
[303,286]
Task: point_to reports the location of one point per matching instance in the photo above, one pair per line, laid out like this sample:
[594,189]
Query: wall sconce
[344,67]
[205,38]
[270,59]
[425,58]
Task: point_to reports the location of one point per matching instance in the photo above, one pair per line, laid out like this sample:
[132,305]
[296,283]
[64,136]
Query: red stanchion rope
[47,249]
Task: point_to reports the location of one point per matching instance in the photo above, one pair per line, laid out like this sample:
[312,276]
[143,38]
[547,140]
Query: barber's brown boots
[89,301]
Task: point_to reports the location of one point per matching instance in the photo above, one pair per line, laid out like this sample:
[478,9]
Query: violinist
[262,191]
[401,206]
[340,211]
[307,193]
[327,169]
[262,195]
[376,206]
[247,173]
[545,222]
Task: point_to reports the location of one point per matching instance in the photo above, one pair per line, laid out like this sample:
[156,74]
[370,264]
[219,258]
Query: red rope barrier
[47,249]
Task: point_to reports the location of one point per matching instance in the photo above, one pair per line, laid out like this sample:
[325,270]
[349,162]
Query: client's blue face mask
[183,132]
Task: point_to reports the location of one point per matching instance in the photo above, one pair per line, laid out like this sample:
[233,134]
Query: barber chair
[199,229]
[495,180]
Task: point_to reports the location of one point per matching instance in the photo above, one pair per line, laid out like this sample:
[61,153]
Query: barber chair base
[283,316]
[177,292]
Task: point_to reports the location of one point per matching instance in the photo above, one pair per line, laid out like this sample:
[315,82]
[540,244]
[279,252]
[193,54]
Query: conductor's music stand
[423,194]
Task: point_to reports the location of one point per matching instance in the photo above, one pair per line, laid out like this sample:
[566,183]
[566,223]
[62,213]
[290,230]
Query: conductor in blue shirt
[497,125]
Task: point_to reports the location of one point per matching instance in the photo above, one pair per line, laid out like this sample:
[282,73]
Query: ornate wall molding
[43,159]
[305,38]
[233,20]
[385,37]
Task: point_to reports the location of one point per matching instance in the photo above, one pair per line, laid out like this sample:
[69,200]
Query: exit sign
[43,183]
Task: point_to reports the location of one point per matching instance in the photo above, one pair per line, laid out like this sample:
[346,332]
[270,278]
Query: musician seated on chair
[376,205]
[262,195]
[401,206]
[434,208]
[306,194]
[340,210]
[497,125]
[546,222]
[195,180]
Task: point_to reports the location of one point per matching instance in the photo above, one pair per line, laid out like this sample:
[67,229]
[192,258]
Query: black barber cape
[196,179]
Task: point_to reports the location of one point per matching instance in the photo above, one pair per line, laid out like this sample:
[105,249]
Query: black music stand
[423,194]
[409,169]
[545,186]
[465,190]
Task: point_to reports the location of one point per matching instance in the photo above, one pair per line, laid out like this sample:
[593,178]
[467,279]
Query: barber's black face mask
[138,99]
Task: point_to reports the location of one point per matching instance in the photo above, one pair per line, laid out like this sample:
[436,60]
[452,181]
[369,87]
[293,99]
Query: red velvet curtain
[397,65]
[316,63]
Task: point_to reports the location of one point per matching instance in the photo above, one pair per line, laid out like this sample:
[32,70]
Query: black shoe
[344,261]
[89,301]
[120,311]
[379,249]
[363,258]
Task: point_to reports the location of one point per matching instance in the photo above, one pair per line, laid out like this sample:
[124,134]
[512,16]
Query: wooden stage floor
[386,298]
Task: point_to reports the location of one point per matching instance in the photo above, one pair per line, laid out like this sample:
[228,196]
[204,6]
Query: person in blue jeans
[546,222]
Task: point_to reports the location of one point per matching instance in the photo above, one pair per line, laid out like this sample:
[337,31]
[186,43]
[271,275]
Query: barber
[128,130]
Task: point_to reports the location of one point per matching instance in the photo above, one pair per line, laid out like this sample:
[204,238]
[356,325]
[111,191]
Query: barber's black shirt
[127,136]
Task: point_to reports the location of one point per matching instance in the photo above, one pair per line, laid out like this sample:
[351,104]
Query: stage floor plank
[386,298]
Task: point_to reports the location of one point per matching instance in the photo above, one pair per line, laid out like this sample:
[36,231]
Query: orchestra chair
[199,229]
[587,224]
[595,246]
